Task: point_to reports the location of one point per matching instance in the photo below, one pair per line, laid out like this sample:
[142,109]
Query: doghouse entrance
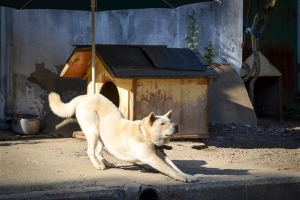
[110,91]
[267,102]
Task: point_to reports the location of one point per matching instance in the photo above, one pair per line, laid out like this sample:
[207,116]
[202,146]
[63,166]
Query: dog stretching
[132,141]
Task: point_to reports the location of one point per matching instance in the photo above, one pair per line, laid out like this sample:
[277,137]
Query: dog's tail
[64,110]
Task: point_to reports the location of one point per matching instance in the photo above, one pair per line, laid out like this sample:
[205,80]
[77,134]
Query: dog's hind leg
[92,140]
[88,122]
[99,154]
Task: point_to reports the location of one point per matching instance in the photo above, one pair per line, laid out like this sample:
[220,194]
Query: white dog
[131,141]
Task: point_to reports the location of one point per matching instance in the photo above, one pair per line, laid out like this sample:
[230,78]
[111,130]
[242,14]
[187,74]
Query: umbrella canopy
[95,6]
[101,5]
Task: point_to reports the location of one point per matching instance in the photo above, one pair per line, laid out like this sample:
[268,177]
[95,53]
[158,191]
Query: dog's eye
[162,124]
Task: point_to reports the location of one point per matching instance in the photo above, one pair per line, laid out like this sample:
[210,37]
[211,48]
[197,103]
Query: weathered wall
[5,65]
[222,25]
[43,39]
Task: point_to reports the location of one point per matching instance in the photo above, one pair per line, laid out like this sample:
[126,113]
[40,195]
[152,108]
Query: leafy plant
[192,38]
[210,53]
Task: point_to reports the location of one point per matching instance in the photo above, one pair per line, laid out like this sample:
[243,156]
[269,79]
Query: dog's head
[158,129]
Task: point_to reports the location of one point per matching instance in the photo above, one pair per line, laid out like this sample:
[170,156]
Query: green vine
[210,53]
[191,39]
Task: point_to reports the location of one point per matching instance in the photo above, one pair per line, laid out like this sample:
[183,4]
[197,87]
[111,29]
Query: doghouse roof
[138,61]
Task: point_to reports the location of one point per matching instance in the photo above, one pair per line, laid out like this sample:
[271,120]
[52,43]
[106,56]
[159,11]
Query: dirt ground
[271,145]
[234,154]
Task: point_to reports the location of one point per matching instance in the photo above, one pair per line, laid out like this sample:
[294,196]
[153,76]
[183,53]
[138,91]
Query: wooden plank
[183,137]
[79,134]
[77,65]
[150,72]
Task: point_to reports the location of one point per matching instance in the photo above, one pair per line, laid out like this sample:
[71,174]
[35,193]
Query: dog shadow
[192,167]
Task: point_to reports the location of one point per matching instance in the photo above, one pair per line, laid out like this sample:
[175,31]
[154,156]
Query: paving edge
[262,189]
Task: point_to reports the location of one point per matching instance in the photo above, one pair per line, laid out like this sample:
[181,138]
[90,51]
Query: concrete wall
[42,42]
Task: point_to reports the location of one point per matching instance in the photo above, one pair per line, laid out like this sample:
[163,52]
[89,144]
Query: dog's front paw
[186,178]
[190,178]
[101,166]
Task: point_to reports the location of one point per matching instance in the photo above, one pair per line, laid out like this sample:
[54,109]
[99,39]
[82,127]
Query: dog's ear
[168,114]
[151,118]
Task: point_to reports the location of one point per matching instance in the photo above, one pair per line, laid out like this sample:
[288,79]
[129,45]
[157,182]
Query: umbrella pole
[93,5]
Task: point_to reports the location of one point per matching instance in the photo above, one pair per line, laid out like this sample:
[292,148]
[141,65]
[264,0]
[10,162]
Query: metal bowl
[26,123]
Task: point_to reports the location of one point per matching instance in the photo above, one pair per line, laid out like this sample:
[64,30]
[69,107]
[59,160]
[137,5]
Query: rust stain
[186,81]
[202,81]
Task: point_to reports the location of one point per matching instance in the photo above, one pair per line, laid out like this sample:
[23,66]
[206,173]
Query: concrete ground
[39,167]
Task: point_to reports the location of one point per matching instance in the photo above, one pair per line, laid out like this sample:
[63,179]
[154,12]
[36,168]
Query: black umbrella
[95,6]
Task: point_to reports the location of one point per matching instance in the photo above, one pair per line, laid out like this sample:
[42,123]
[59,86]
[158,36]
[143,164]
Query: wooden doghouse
[142,79]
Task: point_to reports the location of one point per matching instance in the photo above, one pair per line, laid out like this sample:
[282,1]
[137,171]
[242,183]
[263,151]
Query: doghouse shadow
[192,167]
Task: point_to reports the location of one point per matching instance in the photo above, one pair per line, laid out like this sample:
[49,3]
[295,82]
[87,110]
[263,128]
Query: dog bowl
[26,123]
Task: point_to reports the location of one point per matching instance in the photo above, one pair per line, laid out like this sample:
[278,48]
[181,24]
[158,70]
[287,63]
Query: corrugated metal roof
[138,61]
[173,58]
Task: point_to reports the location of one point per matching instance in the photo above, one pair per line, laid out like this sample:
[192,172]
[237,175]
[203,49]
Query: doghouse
[140,79]
[267,89]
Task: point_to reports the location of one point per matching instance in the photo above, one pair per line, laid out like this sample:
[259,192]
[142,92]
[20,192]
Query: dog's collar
[162,148]
[166,147]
